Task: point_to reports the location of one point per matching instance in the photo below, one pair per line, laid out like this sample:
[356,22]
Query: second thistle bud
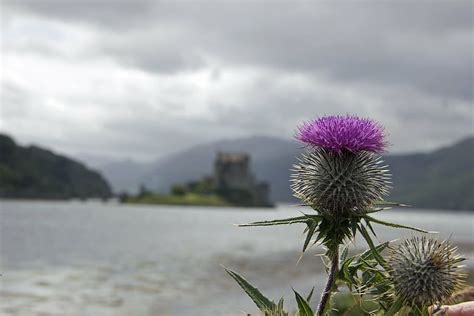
[425,271]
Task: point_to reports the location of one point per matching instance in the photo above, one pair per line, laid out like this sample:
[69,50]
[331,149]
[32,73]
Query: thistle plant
[342,177]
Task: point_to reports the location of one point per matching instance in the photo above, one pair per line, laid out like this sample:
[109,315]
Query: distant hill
[440,179]
[33,172]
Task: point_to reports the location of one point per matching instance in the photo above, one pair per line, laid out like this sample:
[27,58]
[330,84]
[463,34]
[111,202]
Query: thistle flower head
[425,271]
[343,133]
[333,183]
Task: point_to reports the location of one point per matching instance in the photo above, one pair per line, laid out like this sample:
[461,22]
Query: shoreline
[276,205]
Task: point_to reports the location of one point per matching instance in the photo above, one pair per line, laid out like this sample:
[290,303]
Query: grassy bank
[186,199]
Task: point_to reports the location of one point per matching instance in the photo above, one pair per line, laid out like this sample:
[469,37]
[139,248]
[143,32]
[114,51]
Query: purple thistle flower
[338,133]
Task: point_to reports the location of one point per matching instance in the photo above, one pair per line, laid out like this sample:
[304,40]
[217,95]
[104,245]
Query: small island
[233,184]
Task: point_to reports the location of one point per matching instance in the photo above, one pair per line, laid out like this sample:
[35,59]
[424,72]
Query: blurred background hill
[34,172]
[439,179]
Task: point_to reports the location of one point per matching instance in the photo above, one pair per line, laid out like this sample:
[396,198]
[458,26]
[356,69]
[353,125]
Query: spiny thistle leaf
[372,247]
[345,274]
[367,223]
[303,307]
[335,183]
[350,267]
[344,253]
[286,221]
[263,303]
[425,271]
[377,209]
[312,225]
[390,204]
[279,307]
[311,221]
[378,221]
[368,254]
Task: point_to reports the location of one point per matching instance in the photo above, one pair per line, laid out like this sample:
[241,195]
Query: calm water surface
[73,258]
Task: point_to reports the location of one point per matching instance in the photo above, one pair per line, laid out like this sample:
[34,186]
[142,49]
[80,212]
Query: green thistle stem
[326,295]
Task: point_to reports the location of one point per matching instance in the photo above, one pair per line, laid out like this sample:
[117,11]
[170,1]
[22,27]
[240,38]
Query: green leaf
[387,203]
[354,227]
[377,209]
[371,228]
[368,254]
[345,274]
[263,303]
[303,307]
[377,221]
[344,253]
[312,225]
[280,304]
[372,247]
[350,267]
[285,221]
[311,221]
[394,308]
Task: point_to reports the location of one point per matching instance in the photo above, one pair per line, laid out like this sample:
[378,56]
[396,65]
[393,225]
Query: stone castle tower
[232,173]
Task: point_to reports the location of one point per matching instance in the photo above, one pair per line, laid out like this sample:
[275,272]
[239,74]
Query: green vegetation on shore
[201,193]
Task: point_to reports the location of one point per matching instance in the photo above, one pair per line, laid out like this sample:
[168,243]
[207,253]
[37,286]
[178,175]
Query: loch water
[94,258]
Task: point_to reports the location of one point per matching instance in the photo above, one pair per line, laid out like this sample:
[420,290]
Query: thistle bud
[425,271]
[335,183]
[343,173]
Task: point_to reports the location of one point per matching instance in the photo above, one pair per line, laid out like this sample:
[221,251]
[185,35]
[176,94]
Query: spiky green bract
[303,306]
[425,271]
[339,184]
[269,308]
[332,231]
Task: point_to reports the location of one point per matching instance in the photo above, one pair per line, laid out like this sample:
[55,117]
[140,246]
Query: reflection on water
[60,258]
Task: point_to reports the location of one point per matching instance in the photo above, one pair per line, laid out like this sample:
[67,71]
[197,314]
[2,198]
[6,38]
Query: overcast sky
[142,79]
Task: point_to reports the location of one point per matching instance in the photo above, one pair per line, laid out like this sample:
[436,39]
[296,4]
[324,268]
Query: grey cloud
[430,48]
[159,51]
[117,14]
[16,102]
[150,136]
[421,44]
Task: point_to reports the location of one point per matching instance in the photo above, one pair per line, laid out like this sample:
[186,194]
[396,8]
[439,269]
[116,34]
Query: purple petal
[339,133]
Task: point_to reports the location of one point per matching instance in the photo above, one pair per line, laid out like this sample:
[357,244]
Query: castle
[234,180]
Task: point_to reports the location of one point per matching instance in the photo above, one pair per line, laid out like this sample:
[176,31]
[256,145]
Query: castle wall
[232,172]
